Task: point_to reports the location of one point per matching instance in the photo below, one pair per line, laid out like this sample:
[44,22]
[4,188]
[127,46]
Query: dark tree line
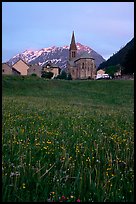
[128,62]
[124,57]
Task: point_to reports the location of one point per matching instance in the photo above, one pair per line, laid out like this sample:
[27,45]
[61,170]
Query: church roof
[73,44]
[85,56]
[71,63]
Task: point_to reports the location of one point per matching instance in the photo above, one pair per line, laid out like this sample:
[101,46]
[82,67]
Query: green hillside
[122,57]
[67,141]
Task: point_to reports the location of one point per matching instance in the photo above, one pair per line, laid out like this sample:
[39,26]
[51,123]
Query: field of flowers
[67,141]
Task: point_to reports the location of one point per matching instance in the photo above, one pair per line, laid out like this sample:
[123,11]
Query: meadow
[67,141]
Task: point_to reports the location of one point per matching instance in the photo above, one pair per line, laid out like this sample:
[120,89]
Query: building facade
[51,67]
[80,67]
[6,69]
[34,69]
[21,67]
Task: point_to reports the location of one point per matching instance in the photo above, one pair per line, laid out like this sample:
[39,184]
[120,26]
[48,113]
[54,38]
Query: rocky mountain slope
[57,55]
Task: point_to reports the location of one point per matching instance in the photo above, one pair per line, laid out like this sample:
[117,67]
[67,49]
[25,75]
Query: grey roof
[35,66]
[81,56]
[71,63]
[51,64]
[85,56]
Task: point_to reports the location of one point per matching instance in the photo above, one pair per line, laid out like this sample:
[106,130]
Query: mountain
[57,55]
[120,57]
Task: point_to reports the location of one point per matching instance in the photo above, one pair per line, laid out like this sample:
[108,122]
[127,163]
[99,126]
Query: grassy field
[69,141]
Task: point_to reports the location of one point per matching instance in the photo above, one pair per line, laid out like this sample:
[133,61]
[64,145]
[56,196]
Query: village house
[100,74]
[21,66]
[51,67]
[80,67]
[6,69]
[15,72]
[118,74]
[34,69]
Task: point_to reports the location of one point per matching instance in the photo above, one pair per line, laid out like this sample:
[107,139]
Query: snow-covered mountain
[57,55]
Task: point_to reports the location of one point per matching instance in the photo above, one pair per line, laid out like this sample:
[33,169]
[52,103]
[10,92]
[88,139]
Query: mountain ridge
[55,54]
[118,57]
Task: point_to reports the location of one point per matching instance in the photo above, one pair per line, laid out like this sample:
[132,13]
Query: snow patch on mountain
[57,55]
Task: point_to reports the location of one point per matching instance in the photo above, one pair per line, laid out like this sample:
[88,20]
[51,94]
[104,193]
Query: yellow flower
[23,186]
[48,142]
[107,173]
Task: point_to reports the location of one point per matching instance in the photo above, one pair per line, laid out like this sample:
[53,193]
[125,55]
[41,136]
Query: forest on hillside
[124,57]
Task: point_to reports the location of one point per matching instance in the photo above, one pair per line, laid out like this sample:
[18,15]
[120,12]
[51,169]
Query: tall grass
[67,140]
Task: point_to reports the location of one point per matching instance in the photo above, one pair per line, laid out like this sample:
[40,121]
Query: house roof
[5,63]
[20,60]
[51,64]
[16,70]
[35,66]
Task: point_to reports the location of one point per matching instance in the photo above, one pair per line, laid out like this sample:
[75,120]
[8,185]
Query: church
[80,67]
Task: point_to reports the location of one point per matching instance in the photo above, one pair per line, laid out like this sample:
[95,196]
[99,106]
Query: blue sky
[103,26]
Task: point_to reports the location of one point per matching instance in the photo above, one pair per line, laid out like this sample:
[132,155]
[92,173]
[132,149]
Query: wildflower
[23,186]
[107,173]
[78,200]
[63,197]
[48,142]
[14,174]
[52,193]
[108,169]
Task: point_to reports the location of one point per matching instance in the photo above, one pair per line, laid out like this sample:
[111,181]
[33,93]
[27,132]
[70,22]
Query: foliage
[47,75]
[69,77]
[119,57]
[62,75]
[128,62]
[111,70]
[70,142]
[34,75]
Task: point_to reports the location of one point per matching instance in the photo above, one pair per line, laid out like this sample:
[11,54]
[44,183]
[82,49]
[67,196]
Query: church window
[73,54]
[3,70]
[83,65]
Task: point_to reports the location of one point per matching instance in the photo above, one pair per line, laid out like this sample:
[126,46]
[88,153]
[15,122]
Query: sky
[104,26]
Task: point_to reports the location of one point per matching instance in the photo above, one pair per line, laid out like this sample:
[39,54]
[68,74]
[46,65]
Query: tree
[111,70]
[47,75]
[128,62]
[33,74]
[62,75]
[69,77]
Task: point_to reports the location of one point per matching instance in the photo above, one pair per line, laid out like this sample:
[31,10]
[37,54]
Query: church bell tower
[73,48]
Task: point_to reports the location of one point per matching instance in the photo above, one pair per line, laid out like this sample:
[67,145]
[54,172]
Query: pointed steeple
[72,48]
[73,44]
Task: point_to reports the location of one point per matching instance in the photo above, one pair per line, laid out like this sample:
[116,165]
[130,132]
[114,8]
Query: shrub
[47,75]
[34,74]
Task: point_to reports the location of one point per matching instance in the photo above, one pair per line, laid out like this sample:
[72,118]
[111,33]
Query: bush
[63,75]
[111,70]
[47,75]
[69,77]
[34,75]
